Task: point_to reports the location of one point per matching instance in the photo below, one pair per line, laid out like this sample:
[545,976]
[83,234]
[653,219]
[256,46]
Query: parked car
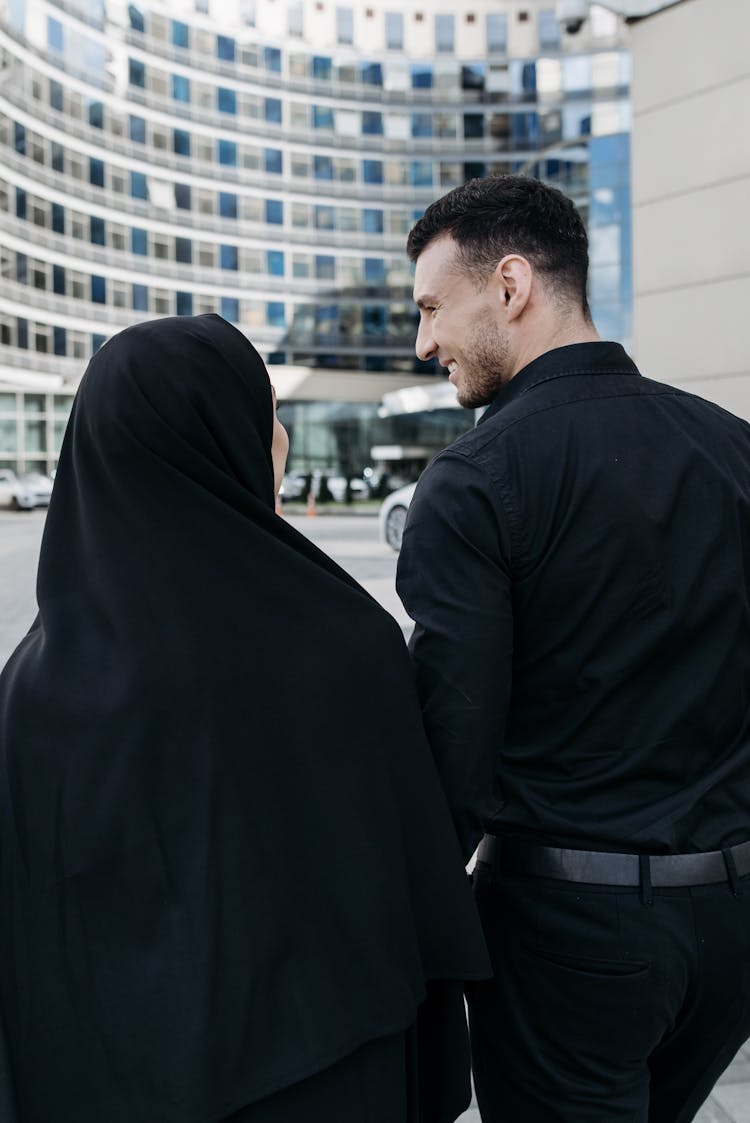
[8,480]
[393,516]
[33,490]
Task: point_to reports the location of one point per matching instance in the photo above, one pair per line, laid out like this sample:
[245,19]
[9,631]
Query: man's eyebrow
[426,301]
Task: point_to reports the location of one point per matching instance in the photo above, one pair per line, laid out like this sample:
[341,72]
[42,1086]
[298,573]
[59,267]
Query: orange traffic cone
[311,512]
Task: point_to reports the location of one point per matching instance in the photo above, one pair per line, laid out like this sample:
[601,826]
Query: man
[578,568]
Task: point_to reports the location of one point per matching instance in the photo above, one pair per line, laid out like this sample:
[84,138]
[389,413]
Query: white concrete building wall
[691,198]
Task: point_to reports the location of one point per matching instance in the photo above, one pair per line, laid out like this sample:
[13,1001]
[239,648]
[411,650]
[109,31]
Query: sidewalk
[728,1103]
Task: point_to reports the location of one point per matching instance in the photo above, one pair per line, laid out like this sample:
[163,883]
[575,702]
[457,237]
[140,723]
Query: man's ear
[514,276]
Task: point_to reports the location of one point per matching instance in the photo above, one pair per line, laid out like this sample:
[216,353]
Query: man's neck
[560,336]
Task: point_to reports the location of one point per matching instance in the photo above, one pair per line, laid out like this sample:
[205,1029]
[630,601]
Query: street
[353,541]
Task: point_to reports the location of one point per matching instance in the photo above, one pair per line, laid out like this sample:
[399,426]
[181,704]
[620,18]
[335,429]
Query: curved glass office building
[265,159]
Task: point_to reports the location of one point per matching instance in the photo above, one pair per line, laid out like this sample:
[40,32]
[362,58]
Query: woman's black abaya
[226,860]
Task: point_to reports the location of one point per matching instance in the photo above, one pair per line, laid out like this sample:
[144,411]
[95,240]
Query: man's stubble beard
[489,353]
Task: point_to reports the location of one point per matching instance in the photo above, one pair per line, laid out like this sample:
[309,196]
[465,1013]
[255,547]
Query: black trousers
[603,1008]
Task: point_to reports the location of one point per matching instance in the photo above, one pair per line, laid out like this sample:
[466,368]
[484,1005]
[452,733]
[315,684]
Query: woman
[218,901]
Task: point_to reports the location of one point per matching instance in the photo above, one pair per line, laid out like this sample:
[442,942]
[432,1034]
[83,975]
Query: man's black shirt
[578,567]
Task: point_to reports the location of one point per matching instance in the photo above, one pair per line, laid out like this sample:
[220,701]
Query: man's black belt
[594,867]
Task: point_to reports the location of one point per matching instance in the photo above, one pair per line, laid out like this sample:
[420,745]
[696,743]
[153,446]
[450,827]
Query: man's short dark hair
[489,218]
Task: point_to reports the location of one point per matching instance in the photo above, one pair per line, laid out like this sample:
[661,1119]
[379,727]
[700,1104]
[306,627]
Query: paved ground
[353,542]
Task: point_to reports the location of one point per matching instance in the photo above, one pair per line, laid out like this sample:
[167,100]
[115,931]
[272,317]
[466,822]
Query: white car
[33,490]
[393,516]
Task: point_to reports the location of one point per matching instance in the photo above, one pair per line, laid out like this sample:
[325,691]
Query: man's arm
[454,580]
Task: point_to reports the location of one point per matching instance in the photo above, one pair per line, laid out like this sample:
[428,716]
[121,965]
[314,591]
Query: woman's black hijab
[226,859]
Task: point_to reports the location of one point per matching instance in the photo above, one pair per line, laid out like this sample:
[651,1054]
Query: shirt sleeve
[454,578]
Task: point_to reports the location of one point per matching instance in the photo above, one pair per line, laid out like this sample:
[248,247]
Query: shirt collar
[577,358]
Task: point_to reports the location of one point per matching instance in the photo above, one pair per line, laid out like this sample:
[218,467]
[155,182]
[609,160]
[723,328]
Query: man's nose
[425,346]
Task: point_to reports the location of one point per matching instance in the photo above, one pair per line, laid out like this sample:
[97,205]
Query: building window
[181,142]
[296,19]
[394,31]
[58,218]
[58,280]
[226,100]
[180,88]
[139,298]
[183,250]
[549,29]
[372,221]
[322,117]
[374,271]
[96,114]
[324,217]
[345,26]
[55,95]
[98,290]
[325,267]
[272,59]
[182,197]
[230,309]
[497,33]
[372,171]
[473,126]
[139,241]
[421,76]
[136,18]
[273,161]
[272,110]
[322,167]
[138,186]
[445,33]
[54,34]
[274,212]
[180,34]
[421,173]
[371,73]
[372,123]
[226,48]
[275,263]
[60,340]
[57,156]
[96,172]
[20,203]
[275,314]
[97,231]
[184,303]
[321,67]
[136,73]
[421,124]
[228,257]
[227,205]
[373,319]
[22,268]
[228,153]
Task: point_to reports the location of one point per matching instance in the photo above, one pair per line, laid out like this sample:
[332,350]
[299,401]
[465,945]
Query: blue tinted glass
[372,171]
[371,73]
[227,205]
[275,263]
[497,32]
[184,303]
[180,34]
[60,338]
[138,186]
[275,314]
[228,153]
[374,270]
[136,18]
[138,129]
[444,32]
[182,196]
[180,87]
[55,94]
[473,126]
[54,34]
[228,257]
[20,202]
[273,110]
[324,218]
[58,156]
[475,169]
[373,319]
[473,76]
[394,31]
[136,73]
[272,59]
[421,173]
[96,172]
[22,333]
[22,268]
[58,279]
[58,218]
[19,138]
[275,358]
[98,290]
[183,250]
[97,341]
[345,25]
[322,117]
[372,123]
[321,67]
[140,298]
[97,231]
[421,76]
[274,211]
[181,142]
[230,309]
[372,221]
[421,124]
[225,48]
[96,114]
[226,100]
[323,167]
[139,241]
[273,160]
[325,267]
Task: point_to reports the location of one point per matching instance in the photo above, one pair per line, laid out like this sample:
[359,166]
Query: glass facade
[162,162]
